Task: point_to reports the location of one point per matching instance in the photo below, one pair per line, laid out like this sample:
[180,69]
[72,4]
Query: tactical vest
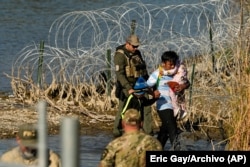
[135,67]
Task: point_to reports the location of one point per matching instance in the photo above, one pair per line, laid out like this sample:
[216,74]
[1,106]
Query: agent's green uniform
[129,150]
[128,67]
[14,156]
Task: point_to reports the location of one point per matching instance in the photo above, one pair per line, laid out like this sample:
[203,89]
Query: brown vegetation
[13,114]
[218,100]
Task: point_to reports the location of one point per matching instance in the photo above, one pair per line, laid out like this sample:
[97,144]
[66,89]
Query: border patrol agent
[129,66]
[26,151]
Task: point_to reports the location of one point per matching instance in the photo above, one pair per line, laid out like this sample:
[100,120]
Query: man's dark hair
[169,56]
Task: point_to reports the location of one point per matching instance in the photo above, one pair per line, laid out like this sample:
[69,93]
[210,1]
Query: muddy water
[91,146]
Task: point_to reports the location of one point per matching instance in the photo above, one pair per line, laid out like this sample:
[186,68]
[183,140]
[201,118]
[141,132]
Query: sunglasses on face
[134,46]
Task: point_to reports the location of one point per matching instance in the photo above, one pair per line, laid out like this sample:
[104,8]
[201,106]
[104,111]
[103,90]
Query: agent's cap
[140,86]
[133,40]
[28,135]
[132,117]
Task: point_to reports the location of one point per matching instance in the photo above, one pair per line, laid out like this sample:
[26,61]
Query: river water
[91,146]
[24,22]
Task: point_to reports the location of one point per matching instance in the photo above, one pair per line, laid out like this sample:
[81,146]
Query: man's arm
[54,159]
[107,158]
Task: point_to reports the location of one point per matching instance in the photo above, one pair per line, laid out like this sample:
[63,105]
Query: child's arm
[148,102]
[169,72]
[181,78]
[152,84]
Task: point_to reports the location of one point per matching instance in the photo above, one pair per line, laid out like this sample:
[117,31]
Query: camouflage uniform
[129,150]
[128,67]
[14,156]
[27,140]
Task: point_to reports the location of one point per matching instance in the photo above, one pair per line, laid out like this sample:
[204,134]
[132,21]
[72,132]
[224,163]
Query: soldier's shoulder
[119,54]
[151,138]
[152,142]
[13,149]
[9,154]
[55,159]
[120,51]
[117,141]
[54,154]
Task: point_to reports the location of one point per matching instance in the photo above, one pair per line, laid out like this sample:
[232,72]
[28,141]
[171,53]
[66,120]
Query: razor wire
[79,40]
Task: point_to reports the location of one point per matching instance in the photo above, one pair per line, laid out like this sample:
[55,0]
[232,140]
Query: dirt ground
[13,114]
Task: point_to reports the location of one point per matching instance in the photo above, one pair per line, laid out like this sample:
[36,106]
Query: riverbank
[14,113]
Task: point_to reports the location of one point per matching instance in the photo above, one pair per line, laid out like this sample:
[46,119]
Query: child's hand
[179,87]
[156,94]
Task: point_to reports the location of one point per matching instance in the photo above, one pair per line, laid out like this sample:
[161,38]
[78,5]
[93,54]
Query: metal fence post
[42,135]
[191,86]
[40,64]
[70,142]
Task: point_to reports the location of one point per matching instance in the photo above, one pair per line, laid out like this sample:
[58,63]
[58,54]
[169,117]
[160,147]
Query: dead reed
[72,80]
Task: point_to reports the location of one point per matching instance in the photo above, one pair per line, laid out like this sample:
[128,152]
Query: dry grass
[13,114]
[218,100]
[238,126]
[239,123]
[221,102]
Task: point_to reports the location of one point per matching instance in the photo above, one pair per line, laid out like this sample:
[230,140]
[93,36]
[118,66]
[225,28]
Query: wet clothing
[128,67]
[15,156]
[164,107]
[129,150]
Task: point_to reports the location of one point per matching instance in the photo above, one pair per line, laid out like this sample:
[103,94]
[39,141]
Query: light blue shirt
[164,101]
